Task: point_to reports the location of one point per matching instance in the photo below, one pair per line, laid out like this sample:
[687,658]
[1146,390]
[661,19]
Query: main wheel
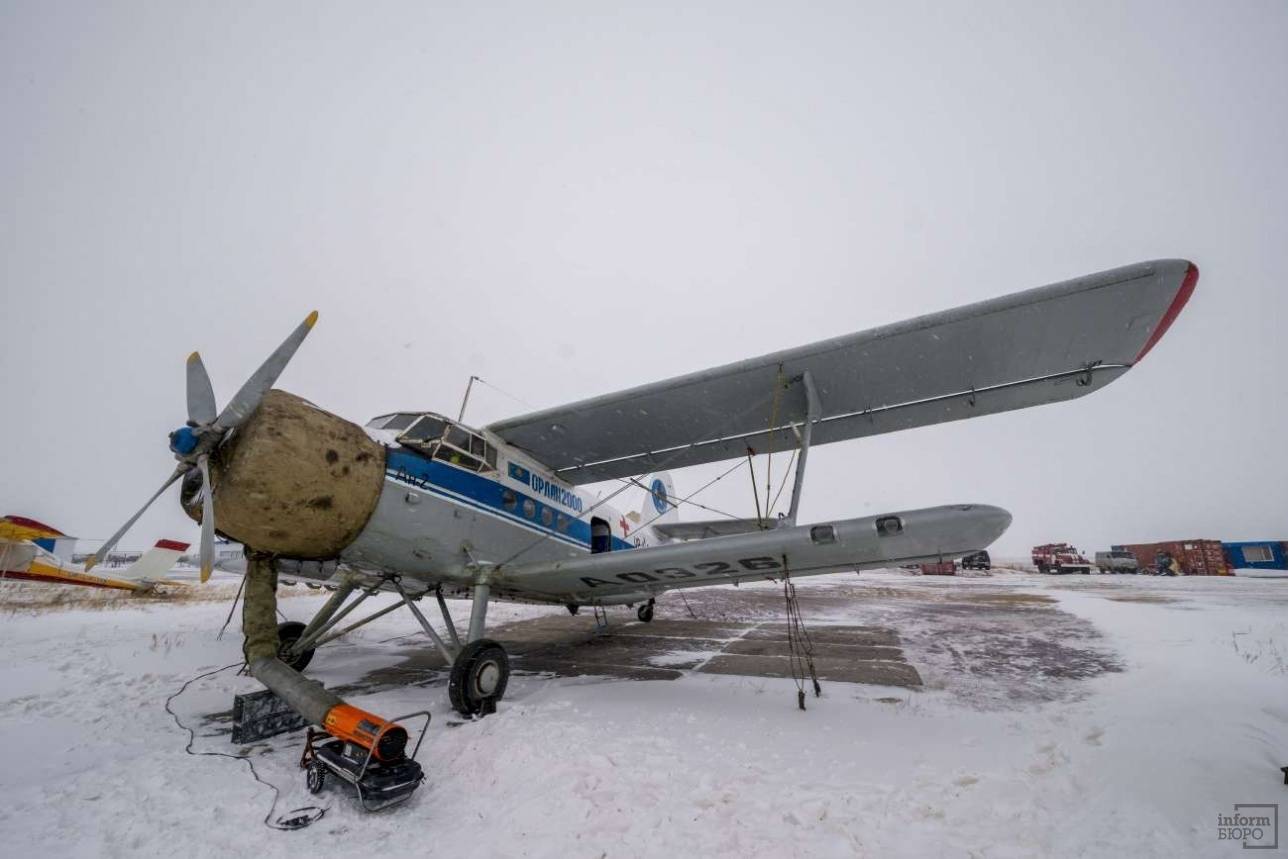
[315,776]
[645,612]
[287,634]
[478,679]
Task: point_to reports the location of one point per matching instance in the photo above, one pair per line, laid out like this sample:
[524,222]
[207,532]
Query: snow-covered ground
[1120,716]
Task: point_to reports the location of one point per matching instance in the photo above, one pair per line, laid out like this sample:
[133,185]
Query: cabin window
[489,456]
[821,535]
[509,500]
[562,523]
[529,508]
[547,517]
[888,526]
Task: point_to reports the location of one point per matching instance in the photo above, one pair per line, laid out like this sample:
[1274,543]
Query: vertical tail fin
[661,504]
[157,561]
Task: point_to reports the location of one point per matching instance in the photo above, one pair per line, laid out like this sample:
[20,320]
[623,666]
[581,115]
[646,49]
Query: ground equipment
[381,780]
[1059,558]
[1117,562]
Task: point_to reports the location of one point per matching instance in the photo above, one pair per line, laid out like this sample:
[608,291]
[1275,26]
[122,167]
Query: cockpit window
[444,440]
[399,422]
[427,429]
[459,437]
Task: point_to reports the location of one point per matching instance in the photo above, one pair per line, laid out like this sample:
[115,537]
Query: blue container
[1256,555]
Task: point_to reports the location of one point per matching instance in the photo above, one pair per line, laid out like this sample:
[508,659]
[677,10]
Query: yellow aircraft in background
[26,554]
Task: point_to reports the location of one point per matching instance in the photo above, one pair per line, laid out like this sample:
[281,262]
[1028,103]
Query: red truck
[1060,558]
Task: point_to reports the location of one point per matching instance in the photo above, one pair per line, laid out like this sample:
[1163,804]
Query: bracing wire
[667,460]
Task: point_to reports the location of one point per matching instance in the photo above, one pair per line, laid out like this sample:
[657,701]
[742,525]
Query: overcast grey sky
[568,199]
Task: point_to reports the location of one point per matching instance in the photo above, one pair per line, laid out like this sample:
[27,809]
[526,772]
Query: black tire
[315,776]
[479,677]
[573,608]
[645,612]
[287,634]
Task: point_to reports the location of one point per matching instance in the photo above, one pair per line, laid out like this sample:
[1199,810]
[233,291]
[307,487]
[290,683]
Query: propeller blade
[201,396]
[245,401]
[207,519]
[111,543]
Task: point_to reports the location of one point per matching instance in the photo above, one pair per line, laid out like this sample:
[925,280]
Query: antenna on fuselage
[465,400]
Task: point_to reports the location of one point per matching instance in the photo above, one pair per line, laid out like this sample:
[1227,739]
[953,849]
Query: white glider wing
[1044,345]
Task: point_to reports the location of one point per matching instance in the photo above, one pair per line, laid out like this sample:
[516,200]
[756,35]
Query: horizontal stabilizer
[1045,345]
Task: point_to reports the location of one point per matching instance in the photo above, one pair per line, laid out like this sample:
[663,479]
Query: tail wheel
[315,776]
[479,677]
[287,634]
[645,612]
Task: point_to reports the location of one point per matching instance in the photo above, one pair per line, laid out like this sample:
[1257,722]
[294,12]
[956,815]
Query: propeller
[206,429]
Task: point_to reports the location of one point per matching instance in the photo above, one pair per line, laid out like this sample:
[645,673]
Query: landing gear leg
[482,669]
[645,612]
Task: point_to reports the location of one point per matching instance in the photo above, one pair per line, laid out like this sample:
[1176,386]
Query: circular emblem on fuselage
[659,494]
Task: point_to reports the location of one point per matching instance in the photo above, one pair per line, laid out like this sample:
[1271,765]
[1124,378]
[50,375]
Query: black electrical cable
[298,817]
[232,608]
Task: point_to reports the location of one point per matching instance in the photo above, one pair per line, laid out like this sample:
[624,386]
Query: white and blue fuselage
[444,513]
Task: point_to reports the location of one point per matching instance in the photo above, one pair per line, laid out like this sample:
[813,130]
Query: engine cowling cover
[295,480]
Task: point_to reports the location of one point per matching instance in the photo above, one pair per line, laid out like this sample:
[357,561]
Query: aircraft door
[601,536]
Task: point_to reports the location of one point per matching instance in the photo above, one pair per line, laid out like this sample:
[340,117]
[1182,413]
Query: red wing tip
[1174,309]
[173,545]
[26,522]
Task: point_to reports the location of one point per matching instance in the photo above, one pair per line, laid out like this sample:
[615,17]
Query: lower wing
[805,550]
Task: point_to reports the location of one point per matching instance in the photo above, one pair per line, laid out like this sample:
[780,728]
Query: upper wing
[802,550]
[1044,345]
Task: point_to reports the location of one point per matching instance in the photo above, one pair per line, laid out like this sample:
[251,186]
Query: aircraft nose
[990,521]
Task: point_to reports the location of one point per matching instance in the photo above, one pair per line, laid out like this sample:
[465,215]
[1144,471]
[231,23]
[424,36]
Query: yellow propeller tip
[312,319]
[195,356]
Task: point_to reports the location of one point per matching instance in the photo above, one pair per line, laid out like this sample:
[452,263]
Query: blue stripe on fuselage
[408,467]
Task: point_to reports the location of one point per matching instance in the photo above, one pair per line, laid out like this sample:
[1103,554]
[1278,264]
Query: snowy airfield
[1055,716]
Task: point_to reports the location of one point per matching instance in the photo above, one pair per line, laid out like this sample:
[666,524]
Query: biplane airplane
[26,555]
[419,504]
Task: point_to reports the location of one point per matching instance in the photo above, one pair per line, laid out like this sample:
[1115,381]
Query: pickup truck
[1116,562]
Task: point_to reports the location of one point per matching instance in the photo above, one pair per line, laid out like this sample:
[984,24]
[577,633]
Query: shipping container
[943,568]
[1195,557]
[1257,555]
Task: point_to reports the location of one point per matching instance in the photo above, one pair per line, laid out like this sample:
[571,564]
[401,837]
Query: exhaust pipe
[387,741]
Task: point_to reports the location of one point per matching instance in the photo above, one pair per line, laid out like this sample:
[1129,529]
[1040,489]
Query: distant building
[1257,555]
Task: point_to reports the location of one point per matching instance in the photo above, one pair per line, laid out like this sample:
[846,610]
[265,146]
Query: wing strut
[813,411]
